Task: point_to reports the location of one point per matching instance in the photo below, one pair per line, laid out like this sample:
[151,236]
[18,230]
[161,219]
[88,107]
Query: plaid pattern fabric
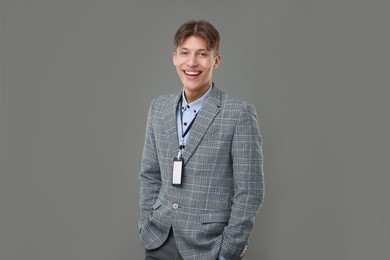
[222,189]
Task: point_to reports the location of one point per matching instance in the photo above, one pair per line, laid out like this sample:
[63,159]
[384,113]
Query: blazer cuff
[228,254]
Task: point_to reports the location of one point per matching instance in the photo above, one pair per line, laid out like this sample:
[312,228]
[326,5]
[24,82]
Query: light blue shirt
[189,112]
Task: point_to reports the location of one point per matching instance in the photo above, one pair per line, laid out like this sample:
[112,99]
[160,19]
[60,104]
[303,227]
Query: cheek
[211,65]
[209,69]
[176,61]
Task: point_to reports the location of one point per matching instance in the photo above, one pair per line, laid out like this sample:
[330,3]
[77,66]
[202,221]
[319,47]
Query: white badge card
[177,171]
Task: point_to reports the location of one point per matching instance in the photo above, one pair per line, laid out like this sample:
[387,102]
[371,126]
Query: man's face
[195,64]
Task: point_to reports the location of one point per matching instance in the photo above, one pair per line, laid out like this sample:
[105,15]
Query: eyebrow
[183,48]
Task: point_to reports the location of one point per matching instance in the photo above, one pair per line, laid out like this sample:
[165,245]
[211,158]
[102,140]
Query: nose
[192,61]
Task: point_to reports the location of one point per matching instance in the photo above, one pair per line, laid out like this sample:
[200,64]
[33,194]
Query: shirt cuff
[221,257]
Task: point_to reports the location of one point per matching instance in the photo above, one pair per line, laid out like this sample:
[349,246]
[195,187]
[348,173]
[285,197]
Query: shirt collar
[197,103]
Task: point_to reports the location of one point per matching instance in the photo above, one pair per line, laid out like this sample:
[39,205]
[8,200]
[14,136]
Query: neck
[192,96]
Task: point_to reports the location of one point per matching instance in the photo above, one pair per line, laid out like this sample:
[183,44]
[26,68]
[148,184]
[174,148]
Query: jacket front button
[175,206]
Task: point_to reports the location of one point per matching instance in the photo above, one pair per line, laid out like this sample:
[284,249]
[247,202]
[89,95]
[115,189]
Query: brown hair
[200,28]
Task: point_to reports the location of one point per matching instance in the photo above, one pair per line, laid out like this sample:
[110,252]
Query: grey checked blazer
[222,189]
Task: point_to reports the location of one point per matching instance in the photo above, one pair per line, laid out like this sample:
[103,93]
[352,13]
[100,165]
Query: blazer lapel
[209,110]
[171,125]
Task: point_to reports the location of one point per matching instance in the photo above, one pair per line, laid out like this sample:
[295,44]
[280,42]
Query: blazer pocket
[213,224]
[215,218]
[155,212]
[157,204]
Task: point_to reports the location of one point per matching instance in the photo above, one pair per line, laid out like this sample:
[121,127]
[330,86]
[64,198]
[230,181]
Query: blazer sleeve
[150,177]
[247,159]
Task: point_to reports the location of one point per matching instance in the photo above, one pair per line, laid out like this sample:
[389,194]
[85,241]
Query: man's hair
[200,28]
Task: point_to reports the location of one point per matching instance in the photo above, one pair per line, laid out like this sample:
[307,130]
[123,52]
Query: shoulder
[233,104]
[159,102]
[165,97]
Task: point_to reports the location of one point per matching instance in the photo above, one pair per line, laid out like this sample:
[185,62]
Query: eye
[202,54]
[183,53]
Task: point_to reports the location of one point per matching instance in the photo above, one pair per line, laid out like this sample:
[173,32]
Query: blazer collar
[209,110]
[171,123]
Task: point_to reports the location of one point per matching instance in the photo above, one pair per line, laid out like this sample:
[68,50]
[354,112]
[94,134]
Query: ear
[217,61]
[174,58]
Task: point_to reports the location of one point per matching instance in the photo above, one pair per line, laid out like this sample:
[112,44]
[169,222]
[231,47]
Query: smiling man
[202,164]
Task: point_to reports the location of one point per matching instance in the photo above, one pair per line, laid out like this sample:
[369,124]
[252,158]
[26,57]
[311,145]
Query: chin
[192,87]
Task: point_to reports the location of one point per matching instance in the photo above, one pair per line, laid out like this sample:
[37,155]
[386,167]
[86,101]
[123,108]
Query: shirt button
[185,123]
[188,106]
[175,206]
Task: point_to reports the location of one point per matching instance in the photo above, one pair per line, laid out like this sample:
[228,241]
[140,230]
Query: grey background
[77,78]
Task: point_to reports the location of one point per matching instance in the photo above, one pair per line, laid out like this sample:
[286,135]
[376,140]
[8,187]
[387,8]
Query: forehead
[193,42]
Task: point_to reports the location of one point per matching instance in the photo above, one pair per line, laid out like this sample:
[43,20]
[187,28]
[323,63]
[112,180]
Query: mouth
[192,74]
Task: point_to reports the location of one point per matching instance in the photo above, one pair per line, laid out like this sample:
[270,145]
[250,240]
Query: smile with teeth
[192,73]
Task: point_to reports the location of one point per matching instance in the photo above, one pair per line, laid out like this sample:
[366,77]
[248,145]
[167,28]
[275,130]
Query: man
[201,174]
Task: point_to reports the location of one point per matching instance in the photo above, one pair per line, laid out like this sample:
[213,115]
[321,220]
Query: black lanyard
[181,146]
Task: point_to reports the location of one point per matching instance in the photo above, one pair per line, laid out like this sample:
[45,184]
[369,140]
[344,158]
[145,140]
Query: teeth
[192,73]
